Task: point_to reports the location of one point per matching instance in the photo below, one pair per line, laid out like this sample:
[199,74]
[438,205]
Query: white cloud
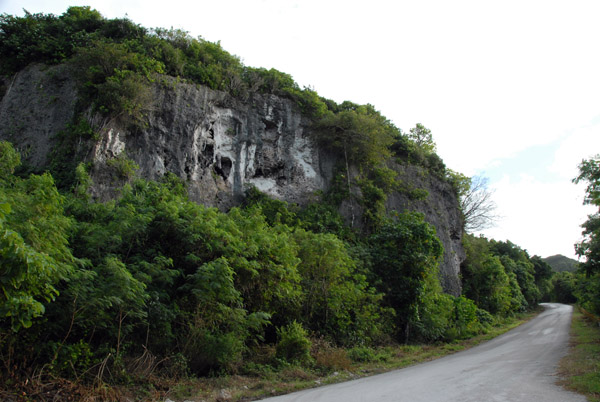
[542,218]
[580,144]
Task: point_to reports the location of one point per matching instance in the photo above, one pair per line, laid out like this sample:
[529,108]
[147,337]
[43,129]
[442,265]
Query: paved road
[517,366]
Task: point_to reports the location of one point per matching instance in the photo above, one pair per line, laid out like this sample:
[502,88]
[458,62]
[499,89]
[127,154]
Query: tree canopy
[589,247]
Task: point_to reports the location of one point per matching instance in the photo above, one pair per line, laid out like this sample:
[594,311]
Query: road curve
[517,366]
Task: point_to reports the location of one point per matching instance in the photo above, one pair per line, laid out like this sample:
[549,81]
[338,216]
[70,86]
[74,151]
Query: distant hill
[561,263]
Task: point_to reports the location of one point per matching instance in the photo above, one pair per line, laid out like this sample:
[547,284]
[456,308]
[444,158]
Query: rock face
[37,104]
[220,146]
[217,144]
[441,209]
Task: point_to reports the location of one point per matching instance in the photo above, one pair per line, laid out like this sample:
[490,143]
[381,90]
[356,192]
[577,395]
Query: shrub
[213,350]
[486,320]
[123,167]
[362,354]
[466,322]
[293,345]
[71,360]
[115,80]
[435,316]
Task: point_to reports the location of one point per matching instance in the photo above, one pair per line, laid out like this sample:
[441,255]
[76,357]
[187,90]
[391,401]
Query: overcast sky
[510,89]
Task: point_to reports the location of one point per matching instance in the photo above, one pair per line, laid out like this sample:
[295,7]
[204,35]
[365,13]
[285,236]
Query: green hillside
[560,263]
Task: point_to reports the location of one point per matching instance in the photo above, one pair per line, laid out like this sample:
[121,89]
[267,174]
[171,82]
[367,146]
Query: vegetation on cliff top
[117,52]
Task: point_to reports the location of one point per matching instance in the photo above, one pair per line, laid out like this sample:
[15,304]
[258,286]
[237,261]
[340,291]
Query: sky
[510,89]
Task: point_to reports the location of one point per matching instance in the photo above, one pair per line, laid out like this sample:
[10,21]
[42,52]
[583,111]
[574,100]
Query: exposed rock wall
[218,144]
[37,104]
[441,210]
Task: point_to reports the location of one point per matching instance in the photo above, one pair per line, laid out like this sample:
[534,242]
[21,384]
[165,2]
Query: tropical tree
[589,247]
[543,274]
[485,280]
[337,300]
[405,253]
[359,132]
[34,250]
[362,137]
[422,138]
[564,287]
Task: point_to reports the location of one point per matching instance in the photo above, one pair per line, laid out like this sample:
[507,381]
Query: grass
[580,369]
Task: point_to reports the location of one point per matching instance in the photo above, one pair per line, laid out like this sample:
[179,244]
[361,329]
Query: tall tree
[422,137]
[589,172]
[405,253]
[484,278]
[589,247]
[360,134]
[34,253]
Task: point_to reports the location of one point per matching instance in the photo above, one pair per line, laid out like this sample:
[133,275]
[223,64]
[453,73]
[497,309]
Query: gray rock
[224,395]
[38,103]
[441,209]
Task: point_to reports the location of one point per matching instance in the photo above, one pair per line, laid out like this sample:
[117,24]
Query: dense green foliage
[115,58]
[588,292]
[293,344]
[501,277]
[152,271]
[561,263]
[405,252]
[34,251]
[564,287]
[364,138]
[159,272]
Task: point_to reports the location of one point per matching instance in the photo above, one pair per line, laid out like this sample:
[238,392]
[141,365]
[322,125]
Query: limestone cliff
[441,209]
[219,145]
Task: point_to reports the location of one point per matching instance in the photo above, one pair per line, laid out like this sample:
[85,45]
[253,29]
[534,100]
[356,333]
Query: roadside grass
[580,369]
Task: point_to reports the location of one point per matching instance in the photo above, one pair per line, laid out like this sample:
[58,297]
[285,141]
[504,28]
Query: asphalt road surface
[517,366]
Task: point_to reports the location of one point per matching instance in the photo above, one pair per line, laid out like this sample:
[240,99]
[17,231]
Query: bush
[294,345]
[486,320]
[362,354]
[435,316]
[466,322]
[116,81]
[328,357]
[44,37]
[213,350]
[123,167]
[71,360]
